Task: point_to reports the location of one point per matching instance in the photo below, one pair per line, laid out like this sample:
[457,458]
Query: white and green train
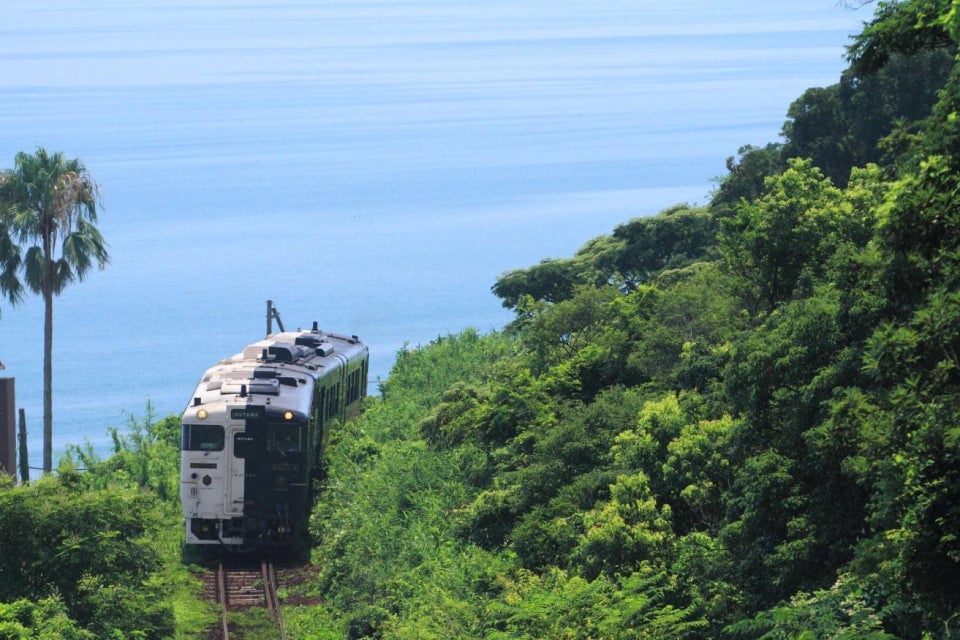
[254,434]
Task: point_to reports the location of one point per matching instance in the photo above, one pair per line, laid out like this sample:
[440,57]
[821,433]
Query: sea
[371,165]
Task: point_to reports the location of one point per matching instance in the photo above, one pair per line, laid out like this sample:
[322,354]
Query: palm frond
[63,274]
[33,267]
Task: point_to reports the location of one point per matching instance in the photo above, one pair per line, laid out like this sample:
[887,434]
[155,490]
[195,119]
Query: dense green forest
[737,421]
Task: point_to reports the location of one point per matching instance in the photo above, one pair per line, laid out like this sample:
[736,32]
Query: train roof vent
[285,352]
[262,387]
[268,387]
[324,349]
[270,351]
[309,339]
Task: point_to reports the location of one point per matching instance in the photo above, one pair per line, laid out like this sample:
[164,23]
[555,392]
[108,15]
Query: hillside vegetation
[737,420]
[731,421]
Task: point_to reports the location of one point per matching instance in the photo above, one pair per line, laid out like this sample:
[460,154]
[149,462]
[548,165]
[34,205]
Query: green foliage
[46,619]
[391,564]
[791,232]
[48,199]
[424,374]
[674,238]
[768,529]
[557,605]
[691,318]
[89,548]
[874,114]
[841,612]
[746,174]
[146,454]
[633,255]
[554,333]
[920,230]
[850,124]
[102,541]
[547,472]
[905,27]
[908,455]
[624,531]
[697,473]
[551,281]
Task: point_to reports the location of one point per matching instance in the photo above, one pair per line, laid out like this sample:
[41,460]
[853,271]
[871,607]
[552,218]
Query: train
[254,434]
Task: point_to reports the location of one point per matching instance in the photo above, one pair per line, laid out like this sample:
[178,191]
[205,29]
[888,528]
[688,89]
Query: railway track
[236,589]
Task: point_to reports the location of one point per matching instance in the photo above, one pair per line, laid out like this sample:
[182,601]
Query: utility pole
[24,456]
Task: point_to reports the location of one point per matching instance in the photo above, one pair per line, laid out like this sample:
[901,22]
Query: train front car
[254,433]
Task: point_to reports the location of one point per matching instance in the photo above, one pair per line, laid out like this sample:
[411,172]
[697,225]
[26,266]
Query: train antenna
[272,314]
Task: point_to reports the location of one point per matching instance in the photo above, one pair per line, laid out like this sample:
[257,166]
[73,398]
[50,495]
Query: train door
[240,445]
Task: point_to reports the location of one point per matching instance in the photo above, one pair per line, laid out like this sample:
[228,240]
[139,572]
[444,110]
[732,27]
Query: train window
[285,439]
[244,444]
[332,404]
[202,437]
[363,378]
[321,406]
[353,387]
[336,399]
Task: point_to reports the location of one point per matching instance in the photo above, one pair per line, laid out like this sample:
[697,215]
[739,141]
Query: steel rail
[270,595]
[222,598]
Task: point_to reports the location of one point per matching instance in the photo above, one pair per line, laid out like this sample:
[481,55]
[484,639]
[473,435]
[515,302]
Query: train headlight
[201,414]
[288,415]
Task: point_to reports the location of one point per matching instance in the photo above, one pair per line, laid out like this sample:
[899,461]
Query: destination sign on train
[247,413]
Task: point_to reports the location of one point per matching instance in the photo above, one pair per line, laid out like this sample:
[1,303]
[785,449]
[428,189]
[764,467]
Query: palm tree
[48,206]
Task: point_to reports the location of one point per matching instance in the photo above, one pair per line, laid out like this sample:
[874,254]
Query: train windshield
[285,438]
[202,437]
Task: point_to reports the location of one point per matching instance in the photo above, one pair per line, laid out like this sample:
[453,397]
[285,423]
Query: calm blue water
[371,165]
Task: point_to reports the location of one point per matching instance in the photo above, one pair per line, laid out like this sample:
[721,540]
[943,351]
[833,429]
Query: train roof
[279,370]
[310,349]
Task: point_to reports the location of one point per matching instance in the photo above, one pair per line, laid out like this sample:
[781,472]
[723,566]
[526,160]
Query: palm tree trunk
[47,382]
[48,352]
